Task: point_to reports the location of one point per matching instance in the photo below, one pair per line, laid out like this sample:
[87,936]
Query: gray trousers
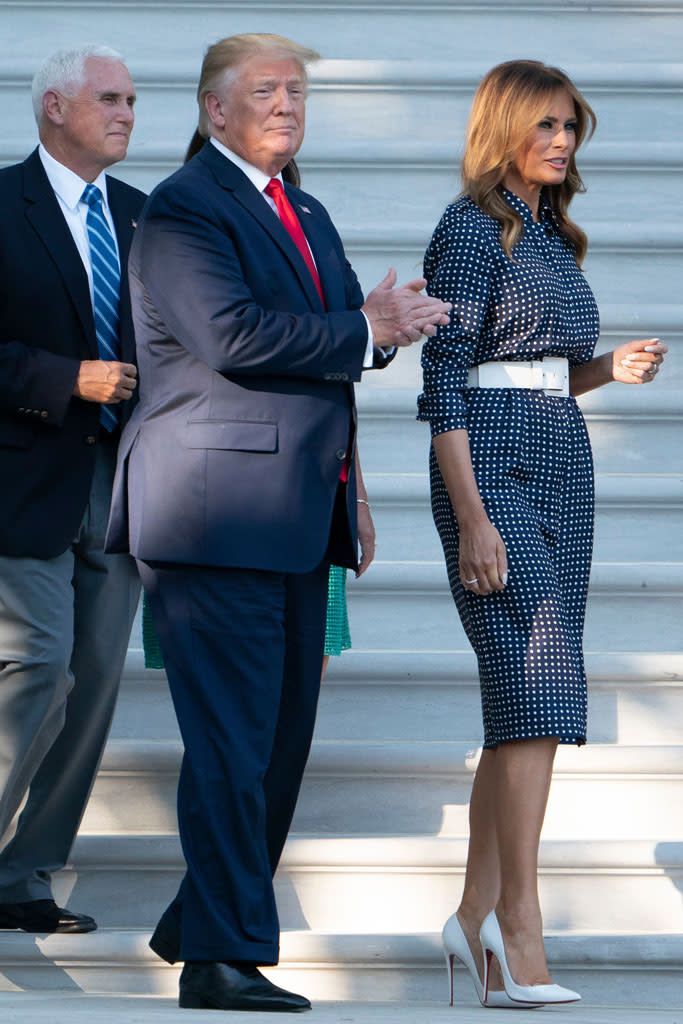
[64,629]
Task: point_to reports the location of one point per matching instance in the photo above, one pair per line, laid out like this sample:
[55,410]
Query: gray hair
[64,71]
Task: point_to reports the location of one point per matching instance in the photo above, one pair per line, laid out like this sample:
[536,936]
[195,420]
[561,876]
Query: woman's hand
[637,362]
[366,536]
[483,561]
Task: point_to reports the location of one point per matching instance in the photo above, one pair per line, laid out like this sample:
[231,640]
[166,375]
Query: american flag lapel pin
[304,208]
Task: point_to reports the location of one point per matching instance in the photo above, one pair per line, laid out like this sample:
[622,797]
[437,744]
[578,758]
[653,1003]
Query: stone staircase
[376,858]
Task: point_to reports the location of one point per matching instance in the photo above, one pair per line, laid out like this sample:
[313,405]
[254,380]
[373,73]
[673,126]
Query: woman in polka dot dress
[512,488]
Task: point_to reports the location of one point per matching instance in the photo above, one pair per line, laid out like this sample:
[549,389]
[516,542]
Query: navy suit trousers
[243,654]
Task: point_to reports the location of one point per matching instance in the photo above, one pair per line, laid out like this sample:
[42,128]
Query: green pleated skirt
[337,635]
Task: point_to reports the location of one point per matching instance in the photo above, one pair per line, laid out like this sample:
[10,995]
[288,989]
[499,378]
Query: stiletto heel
[539,995]
[450,967]
[487,971]
[455,945]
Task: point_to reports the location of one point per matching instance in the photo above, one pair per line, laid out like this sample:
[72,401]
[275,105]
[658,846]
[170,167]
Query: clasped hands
[400,316]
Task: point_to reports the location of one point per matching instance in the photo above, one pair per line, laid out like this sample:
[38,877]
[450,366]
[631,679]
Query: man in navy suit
[236,489]
[66,606]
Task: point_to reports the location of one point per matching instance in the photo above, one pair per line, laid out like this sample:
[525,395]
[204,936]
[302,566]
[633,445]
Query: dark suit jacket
[47,436]
[232,456]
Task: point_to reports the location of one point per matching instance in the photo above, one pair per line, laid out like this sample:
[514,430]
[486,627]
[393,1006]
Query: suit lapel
[318,235]
[45,216]
[232,178]
[124,226]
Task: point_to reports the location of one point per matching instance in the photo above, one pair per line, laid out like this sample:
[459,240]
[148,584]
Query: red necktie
[290,221]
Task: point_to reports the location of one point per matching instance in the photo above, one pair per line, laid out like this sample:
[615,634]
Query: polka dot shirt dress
[531,457]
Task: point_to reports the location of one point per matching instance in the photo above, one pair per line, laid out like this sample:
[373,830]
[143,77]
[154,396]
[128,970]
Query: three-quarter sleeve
[458,268]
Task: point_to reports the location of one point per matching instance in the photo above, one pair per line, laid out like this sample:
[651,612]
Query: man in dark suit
[236,488]
[66,380]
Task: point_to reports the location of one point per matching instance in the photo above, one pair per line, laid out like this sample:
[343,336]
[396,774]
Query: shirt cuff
[369,357]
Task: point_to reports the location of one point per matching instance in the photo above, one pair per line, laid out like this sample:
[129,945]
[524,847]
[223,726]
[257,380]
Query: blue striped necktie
[106,283]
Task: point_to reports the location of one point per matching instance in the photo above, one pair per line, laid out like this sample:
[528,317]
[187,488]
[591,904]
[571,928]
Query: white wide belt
[550,375]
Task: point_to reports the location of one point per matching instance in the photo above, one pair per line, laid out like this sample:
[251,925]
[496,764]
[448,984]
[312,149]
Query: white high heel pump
[493,945]
[455,945]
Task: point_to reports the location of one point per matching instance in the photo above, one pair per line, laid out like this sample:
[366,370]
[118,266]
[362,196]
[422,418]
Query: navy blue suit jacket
[246,414]
[47,436]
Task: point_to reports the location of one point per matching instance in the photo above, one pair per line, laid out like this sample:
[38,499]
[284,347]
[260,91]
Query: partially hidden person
[67,385]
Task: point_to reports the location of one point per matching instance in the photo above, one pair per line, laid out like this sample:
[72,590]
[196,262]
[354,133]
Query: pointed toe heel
[523,995]
[456,946]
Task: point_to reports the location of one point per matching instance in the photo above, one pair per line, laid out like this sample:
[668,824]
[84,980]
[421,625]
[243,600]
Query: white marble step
[635,698]
[614,271]
[639,516]
[626,436]
[391,396]
[631,605]
[102,1007]
[359,787]
[626,971]
[390,883]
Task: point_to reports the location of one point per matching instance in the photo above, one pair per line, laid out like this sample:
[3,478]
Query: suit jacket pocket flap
[236,435]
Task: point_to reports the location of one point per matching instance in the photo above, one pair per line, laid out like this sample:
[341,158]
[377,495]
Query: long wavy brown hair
[510,101]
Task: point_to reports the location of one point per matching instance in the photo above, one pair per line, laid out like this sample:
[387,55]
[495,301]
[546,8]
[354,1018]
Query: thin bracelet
[363,501]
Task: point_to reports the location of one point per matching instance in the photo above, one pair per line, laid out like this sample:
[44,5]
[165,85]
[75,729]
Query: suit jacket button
[340,454]
[343,376]
[327,376]
[21,410]
[43,414]
[90,439]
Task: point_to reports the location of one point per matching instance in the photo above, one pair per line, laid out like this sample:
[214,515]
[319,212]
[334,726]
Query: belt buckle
[555,376]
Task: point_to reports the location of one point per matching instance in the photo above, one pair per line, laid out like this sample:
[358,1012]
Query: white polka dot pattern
[532,461]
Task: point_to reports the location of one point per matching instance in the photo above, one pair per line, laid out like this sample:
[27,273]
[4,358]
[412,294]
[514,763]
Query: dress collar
[546,213]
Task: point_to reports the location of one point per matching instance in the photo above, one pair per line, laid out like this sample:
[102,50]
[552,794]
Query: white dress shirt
[259,180]
[68,188]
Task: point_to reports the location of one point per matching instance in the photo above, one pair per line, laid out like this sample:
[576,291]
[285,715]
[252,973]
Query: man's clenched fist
[102,381]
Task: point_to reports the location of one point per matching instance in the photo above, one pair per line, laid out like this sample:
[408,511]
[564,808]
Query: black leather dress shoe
[44,916]
[210,986]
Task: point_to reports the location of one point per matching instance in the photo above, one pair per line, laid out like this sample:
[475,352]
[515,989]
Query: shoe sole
[64,929]
[191,1001]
